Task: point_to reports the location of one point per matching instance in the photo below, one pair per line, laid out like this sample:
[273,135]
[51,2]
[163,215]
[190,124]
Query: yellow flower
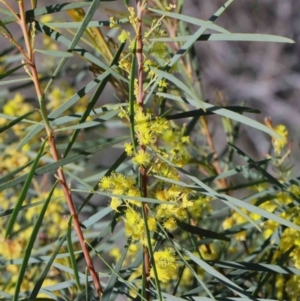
[279,144]
[133,248]
[134,225]
[152,224]
[209,252]
[128,148]
[280,129]
[105,183]
[124,36]
[115,203]
[141,158]
[170,224]
[46,18]
[166,265]
[115,253]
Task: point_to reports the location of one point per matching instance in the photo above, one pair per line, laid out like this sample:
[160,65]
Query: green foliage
[133,175]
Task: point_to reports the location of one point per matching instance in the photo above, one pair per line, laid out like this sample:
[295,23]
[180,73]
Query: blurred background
[264,75]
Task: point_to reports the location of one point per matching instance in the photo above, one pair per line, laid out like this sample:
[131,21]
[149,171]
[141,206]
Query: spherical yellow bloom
[270,227]
[124,36]
[170,224]
[133,248]
[115,253]
[105,183]
[152,224]
[228,223]
[141,158]
[134,225]
[180,213]
[166,265]
[128,148]
[161,195]
[278,144]
[115,203]
[293,288]
[209,252]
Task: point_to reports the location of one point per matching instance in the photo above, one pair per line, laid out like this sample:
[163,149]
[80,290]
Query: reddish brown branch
[140,101]
[61,176]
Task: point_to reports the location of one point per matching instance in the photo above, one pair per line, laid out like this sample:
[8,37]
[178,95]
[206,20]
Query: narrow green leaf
[15,121]
[87,287]
[100,112]
[72,255]
[178,83]
[11,71]
[14,81]
[114,276]
[6,12]
[24,191]
[201,112]
[151,253]
[242,37]
[202,232]
[54,53]
[260,267]
[189,19]
[126,197]
[30,244]
[89,25]
[9,117]
[223,112]
[228,283]
[92,220]
[39,282]
[35,259]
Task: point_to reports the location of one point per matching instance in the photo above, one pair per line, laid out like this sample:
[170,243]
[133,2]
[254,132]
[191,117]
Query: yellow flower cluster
[279,144]
[124,36]
[166,265]
[141,158]
[134,225]
[148,130]
[118,183]
[133,18]
[167,214]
